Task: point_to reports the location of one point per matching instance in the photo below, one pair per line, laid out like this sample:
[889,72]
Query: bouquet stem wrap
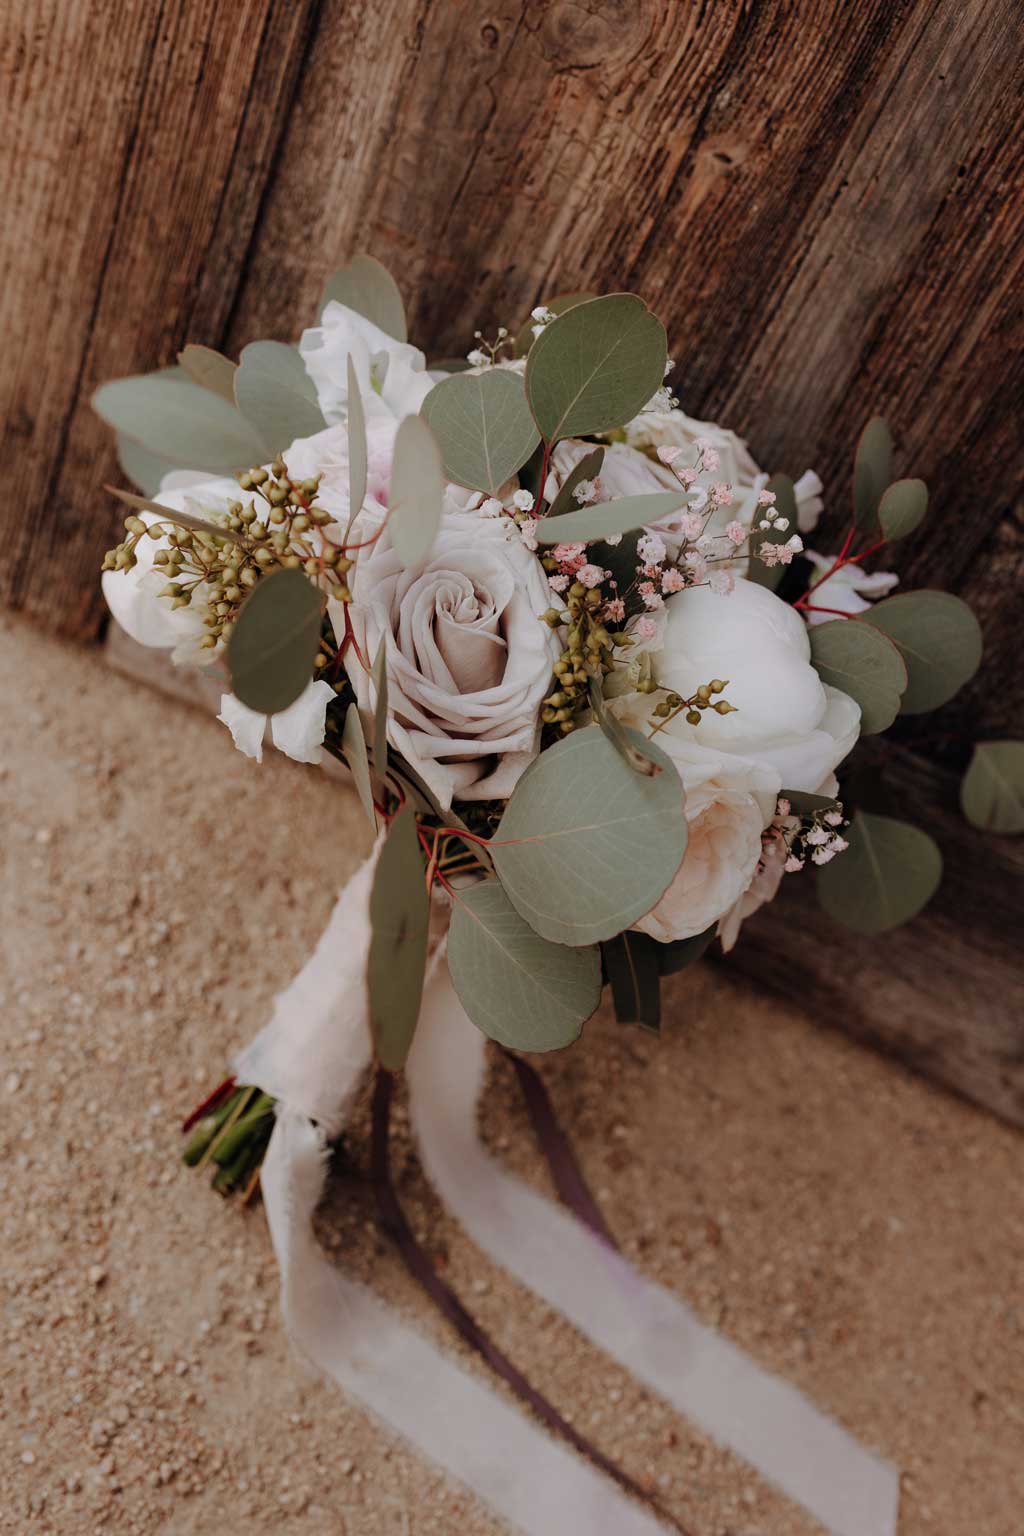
[311,1056]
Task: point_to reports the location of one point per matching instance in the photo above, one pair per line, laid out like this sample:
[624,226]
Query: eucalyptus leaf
[588,468]
[887,874]
[558,306]
[415,491]
[677,954]
[902,508]
[276,395]
[940,642]
[633,748]
[170,514]
[273,645]
[803,804]
[483,426]
[992,791]
[595,367]
[785,502]
[516,987]
[179,421]
[864,663]
[379,678]
[353,744]
[586,846]
[631,965]
[357,451]
[368,287]
[609,517]
[449,365]
[144,469]
[399,922]
[210,370]
[872,471]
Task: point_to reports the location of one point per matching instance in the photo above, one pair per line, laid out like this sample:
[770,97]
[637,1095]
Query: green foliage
[379,678]
[634,974]
[992,791]
[356,431]
[679,953]
[940,642]
[144,469]
[586,846]
[864,663]
[483,426]
[178,421]
[902,508]
[588,468]
[519,989]
[595,367]
[210,370]
[415,491]
[276,396]
[399,921]
[872,471]
[353,744]
[558,306]
[609,517]
[804,804]
[634,749]
[785,502]
[888,873]
[274,643]
[368,287]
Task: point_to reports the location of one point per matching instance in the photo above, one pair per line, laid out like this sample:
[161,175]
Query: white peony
[468,659]
[785,716]
[392,375]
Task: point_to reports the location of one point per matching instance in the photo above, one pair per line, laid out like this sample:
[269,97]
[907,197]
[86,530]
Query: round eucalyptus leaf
[595,367]
[864,663]
[887,874]
[399,924]
[516,987]
[992,791]
[872,471]
[902,508]
[144,469]
[939,639]
[588,468]
[210,370]
[274,642]
[609,517]
[586,845]
[558,306]
[415,491]
[368,287]
[276,395]
[178,421]
[483,425]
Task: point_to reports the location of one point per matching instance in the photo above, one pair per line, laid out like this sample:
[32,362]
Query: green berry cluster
[674,704]
[586,653]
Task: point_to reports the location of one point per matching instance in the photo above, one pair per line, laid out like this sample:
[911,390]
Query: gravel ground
[850,1227]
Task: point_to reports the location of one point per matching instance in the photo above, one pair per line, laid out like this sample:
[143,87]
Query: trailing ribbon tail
[765,1420]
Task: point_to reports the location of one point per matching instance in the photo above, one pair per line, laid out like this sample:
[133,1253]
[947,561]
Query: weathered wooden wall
[822,198]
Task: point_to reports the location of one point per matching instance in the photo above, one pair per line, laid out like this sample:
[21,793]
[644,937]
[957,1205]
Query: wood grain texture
[137,142]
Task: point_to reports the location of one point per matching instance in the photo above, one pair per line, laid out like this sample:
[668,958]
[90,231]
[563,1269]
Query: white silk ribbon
[311,1056]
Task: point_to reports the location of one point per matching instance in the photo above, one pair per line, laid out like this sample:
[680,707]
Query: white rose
[468,658]
[392,375]
[785,716]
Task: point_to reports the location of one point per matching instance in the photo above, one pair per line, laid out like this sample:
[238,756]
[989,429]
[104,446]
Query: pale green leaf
[379,678]
[516,987]
[415,491]
[483,426]
[588,468]
[884,878]
[872,471]
[210,370]
[633,748]
[368,287]
[399,923]
[940,642]
[902,508]
[609,517]
[864,663]
[353,744]
[356,429]
[273,645]
[144,469]
[586,846]
[785,502]
[992,791]
[179,421]
[276,395]
[595,367]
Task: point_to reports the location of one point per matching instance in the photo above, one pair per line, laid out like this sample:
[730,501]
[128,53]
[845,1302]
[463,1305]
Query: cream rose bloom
[785,716]
[468,658]
[392,376]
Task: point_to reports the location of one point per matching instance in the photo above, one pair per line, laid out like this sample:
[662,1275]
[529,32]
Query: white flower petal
[247,726]
[298,731]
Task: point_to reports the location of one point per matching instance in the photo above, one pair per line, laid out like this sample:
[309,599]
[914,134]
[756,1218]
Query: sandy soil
[849,1226]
